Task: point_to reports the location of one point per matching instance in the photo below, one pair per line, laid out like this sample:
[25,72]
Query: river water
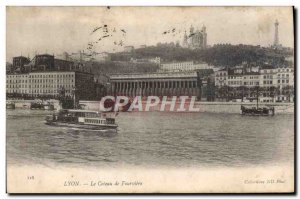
[152,139]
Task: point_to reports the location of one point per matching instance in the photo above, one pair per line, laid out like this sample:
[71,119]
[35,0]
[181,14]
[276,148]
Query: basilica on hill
[195,39]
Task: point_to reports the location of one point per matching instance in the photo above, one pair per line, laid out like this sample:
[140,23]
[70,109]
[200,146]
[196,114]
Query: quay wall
[26,104]
[235,107]
[209,107]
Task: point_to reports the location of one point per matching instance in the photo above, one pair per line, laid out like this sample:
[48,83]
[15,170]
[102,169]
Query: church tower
[204,36]
[191,30]
[185,40]
[195,39]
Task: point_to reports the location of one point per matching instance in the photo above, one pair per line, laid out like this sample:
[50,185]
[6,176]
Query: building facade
[233,80]
[49,83]
[20,62]
[221,78]
[275,84]
[183,66]
[155,60]
[43,62]
[251,79]
[63,65]
[156,84]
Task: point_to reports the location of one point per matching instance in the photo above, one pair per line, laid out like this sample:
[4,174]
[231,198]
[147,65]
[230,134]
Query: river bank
[209,107]
[26,104]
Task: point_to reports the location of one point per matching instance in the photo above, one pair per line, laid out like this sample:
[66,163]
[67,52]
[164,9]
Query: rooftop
[21,57]
[267,67]
[223,69]
[153,75]
[251,73]
[48,55]
[56,71]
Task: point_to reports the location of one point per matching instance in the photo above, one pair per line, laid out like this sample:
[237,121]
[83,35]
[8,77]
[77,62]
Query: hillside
[218,55]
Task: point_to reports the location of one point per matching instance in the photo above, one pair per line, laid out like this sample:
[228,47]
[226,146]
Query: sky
[53,30]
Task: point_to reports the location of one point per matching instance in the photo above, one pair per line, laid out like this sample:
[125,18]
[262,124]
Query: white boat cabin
[85,117]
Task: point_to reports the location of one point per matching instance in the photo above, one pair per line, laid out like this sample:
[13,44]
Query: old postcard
[150,99]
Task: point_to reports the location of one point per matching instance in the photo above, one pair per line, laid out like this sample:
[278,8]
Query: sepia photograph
[153,100]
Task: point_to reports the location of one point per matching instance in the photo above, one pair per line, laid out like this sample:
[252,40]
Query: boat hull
[10,106]
[257,112]
[81,126]
[49,107]
[36,106]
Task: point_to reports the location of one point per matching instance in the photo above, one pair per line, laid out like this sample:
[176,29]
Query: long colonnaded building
[157,84]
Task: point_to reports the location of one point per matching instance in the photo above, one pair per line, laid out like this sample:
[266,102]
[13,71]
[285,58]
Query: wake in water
[103,132]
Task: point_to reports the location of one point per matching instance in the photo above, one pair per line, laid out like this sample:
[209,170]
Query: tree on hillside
[218,55]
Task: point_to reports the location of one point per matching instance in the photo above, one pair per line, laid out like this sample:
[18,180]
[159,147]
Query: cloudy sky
[54,30]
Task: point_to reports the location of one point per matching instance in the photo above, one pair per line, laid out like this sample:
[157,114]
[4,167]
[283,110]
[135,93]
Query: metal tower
[276,37]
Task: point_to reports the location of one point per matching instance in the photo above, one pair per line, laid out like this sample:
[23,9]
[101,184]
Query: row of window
[254,83]
[240,83]
[178,64]
[234,77]
[221,74]
[39,81]
[39,86]
[257,77]
[52,76]
[41,76]
[181,85]
[274,70]
[285,70]
[234,83]
[51,81]
[253,77]
[262,71]
[268,76]
[16,81]
[36,91]
[251,83]
[283,75]
[268,82]
[221,78]
[267,71]
[91,121]
[283,81]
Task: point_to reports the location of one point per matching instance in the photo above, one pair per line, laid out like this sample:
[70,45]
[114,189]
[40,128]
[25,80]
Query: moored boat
[255,111]
[258,111]
[82,119]
[10,106]
[36,105]
[48,106]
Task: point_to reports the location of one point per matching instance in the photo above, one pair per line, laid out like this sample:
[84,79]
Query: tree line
[217,55]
